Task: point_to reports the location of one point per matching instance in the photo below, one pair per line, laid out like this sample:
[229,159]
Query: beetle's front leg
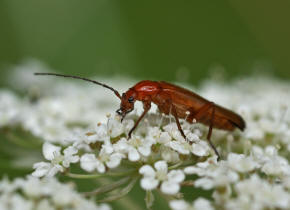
[146,106]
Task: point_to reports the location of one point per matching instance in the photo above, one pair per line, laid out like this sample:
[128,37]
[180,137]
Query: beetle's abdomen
[188,105]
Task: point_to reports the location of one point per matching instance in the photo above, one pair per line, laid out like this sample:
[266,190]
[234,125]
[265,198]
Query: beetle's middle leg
[174,113]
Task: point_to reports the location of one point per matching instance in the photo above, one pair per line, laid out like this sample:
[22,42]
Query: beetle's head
[127,103]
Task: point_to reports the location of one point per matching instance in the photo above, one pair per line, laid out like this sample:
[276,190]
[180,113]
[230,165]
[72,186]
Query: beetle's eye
[131,99]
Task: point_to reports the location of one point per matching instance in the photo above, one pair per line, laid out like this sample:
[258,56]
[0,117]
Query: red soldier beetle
[175,100]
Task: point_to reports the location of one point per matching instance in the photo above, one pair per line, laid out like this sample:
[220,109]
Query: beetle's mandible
[175,100]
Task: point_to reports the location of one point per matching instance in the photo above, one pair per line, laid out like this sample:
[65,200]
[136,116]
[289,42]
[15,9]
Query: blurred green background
[185,41]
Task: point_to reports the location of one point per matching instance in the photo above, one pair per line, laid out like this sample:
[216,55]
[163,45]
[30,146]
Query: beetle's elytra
[175,100]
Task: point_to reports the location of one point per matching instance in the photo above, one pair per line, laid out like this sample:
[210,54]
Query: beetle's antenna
[82,78]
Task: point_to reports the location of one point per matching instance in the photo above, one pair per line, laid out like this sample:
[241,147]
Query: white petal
[88,162]
[170,188]
[41,169]
[271,150]
[202,203]
[101,133]
[179,205]
[164,138]
[54,170]
[161,165]
[115,160]
[200,149]
[70,159]
[149,183]
[115,127]
[49,150]
[145,150]
[179,147]
[192,170]
[169,155]
[147,171]
[70,151]
[107,147]
[175,176]
[192,137]
[204,183]
[133,154]
[100,166]
[121,145]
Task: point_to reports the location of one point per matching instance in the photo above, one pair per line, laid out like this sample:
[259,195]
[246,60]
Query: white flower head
[170,181]
[267,196]
[32,193]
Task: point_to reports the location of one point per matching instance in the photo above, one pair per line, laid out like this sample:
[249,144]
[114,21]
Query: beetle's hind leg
[199,114]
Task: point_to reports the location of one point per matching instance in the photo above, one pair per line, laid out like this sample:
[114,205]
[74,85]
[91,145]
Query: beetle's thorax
[145,89]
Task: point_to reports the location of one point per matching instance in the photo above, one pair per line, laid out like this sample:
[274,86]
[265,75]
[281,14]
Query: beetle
[174,100]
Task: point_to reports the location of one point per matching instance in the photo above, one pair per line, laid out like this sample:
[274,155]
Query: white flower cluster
[239,175]
[45,194]
[103,149]
[253,173]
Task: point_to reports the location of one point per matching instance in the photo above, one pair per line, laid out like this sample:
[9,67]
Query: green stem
[181,165]
[93,176]
[122,193]
[18,141]
[108,187]
[175,165]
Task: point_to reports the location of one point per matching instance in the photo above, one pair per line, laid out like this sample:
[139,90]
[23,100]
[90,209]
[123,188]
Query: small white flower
[169,181]
[100,134]
[115,127]
[200,148]
[277,166]
[107,157]
[181,147]
[134,147]
[270,162]
[240,163]
[52,153]
[169,155]
[44,205]
[198,204]
[159,136]
[57,161]
[173,131]
[212,174]
[70,156]
[89,163]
